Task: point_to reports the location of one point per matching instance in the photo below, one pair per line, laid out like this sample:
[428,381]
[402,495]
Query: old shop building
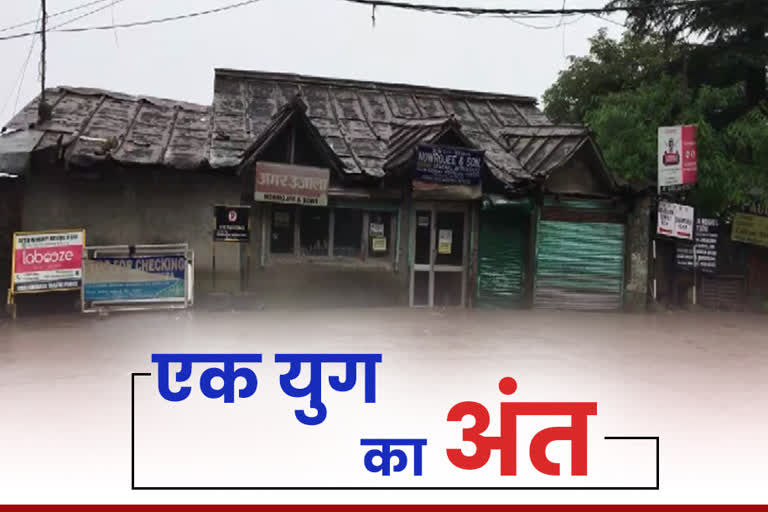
[544,223]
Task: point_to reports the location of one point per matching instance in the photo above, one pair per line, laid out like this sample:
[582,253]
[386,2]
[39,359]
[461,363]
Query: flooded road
[696,380]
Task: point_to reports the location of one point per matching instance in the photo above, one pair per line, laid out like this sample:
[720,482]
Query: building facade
[361,193]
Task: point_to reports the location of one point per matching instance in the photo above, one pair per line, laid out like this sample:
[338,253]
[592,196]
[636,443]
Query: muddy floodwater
[699,381]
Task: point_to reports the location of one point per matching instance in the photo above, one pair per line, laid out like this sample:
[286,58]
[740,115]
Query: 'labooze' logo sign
[47,261]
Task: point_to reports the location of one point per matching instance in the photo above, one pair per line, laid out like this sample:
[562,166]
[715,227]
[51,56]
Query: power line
[138,23]
[482,11]
[19,82]
[52,15]
[89,13]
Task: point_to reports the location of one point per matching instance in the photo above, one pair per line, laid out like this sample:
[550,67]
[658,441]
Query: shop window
[313,232]
[379,234]
[282,229]
[347,232]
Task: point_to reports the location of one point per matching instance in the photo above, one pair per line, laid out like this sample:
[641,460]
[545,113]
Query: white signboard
[677,158]
[675,220]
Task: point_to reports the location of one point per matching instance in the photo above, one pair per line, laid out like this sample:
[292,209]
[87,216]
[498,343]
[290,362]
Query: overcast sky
[317,37]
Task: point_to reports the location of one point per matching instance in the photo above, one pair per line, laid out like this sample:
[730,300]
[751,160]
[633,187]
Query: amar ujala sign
[677,156]
[292,184]
[47,261]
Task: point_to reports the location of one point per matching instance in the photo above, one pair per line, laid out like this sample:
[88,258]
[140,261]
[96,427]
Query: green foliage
[731,159]
[610,66]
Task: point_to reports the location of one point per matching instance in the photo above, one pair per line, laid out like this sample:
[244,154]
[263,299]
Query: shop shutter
[501,265]
[723,292]
[579,265]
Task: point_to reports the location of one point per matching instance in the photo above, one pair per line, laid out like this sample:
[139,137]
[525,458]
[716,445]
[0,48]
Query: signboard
[705,247]
[675,220]
[232,223]
[47,261]
[750,229]
[448,165]
[125,277]
[131,278]
[677,156]
[291,184]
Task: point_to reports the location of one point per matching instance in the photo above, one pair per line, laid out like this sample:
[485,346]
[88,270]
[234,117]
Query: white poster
[675,220]
[445,240]
[677,156]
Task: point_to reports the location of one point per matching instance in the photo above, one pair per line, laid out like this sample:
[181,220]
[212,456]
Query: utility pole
[43,110]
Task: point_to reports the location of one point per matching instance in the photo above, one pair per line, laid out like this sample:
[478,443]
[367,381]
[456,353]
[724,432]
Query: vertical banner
[47,261]
[677,157]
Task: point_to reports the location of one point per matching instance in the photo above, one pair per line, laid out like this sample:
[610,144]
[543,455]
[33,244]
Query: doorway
[439,239]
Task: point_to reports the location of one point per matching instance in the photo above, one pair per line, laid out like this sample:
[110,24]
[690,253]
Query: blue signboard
[138,277]
[448,165]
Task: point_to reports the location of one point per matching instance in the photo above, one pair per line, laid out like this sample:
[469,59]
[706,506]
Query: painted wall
[138,206]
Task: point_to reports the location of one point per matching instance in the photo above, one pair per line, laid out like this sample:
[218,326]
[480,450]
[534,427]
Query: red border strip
[400,508]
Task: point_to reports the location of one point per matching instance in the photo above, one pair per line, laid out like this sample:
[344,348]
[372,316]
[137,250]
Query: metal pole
[695,266]
[44,47]
[655,288]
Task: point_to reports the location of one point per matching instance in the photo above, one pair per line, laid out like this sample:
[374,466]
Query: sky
[331,38]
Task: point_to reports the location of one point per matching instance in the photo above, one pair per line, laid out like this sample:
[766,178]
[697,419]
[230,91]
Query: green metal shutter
[501,253]
[579,265]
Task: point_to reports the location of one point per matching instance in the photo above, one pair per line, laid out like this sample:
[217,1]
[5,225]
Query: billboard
[675,220]
[677,158]
[47,261]
[291,184]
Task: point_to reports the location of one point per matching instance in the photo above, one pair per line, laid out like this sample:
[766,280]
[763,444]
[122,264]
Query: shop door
[439,237]
[502,247]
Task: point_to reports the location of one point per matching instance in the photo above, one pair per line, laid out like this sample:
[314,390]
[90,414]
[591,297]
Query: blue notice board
[447,165]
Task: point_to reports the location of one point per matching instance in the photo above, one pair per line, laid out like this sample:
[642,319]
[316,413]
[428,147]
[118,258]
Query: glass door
[438,273]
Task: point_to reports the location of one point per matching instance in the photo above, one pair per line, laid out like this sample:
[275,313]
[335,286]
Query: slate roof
[96,125]
[366,128]
[357,119]
[541,149]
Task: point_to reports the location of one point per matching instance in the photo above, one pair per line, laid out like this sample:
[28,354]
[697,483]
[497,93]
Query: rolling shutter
[501,253]
[579,265]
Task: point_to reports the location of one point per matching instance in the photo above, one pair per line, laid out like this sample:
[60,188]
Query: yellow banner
[750,229]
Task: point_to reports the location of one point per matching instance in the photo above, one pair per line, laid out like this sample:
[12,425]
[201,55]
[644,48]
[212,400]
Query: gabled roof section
[406,136]
[97,125]
[358,119]
[292,113]
[544,149]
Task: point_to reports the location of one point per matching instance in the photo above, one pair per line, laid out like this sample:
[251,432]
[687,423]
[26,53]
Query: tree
[735,29]
[625,111]
[610,66]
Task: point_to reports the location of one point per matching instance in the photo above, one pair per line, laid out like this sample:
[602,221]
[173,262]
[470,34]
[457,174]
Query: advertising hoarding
[677,157]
